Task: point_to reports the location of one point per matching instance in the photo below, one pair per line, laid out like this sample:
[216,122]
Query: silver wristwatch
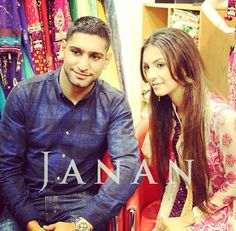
[81,224]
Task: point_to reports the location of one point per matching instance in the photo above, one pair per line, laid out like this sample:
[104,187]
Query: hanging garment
[44,18]
[26,67]
[60,14]
[25,43]
[2,101]
[93,7]
[116,46]
[36,32]
[231,10]
[10,45]
[73,6]
[84,8]
[110,74]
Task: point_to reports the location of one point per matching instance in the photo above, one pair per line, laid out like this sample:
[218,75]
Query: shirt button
[67,132]
[63,155]
[58,178]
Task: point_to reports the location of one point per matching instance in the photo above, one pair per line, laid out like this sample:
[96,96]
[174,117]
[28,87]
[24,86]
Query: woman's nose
[151,75]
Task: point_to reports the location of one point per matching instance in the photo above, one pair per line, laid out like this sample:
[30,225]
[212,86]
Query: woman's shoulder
[220,110]
[219,104]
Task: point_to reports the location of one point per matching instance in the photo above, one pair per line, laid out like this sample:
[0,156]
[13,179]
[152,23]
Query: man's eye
[75,52]
[96,57]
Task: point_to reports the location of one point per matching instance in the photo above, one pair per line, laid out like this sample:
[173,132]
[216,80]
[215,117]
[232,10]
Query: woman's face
[157,73]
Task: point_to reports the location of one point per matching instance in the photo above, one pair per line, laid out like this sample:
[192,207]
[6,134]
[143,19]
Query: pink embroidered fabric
[232,79]
[37,42]
[221,156]
[61,22]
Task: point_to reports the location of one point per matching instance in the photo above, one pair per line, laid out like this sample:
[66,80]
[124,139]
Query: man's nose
[83,63]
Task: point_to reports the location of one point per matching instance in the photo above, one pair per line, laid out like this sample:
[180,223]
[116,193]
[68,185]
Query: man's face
[85,57]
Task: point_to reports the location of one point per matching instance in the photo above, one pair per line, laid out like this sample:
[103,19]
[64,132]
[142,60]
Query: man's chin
[81,84]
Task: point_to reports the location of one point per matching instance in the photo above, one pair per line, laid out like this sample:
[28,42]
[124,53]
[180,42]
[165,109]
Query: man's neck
[77,95]
[73,93]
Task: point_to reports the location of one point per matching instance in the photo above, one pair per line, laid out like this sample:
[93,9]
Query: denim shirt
[47,140]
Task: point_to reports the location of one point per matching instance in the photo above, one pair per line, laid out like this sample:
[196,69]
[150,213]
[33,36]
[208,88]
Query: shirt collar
[56,82]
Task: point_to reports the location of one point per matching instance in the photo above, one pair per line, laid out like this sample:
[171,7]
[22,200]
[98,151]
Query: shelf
[174,6]
[183,6]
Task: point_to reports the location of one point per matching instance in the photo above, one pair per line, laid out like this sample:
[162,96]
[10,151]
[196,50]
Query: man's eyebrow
[96,53]
[75,48]
[90,52]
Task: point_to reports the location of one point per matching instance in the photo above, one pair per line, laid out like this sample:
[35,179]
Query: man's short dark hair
[90,25]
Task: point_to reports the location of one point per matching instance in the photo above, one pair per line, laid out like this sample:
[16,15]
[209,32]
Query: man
[55,129]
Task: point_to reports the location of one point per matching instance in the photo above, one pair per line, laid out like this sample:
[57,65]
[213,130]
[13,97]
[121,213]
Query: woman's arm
[225,133]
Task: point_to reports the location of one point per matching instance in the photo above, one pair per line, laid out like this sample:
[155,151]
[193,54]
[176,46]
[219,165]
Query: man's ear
[63,45]
[62,48]
[107,59]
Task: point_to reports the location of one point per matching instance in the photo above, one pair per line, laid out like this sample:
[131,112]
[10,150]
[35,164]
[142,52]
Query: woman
[191,130]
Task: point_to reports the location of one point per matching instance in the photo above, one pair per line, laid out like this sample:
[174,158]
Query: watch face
[81,226]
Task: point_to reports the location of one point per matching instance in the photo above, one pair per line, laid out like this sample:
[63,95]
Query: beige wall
[129,14]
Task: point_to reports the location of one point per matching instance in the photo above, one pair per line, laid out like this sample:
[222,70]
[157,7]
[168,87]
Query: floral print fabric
[232,79]
[220,133]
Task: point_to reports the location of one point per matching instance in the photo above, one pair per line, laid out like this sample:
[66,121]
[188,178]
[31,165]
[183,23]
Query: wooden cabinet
[214,45]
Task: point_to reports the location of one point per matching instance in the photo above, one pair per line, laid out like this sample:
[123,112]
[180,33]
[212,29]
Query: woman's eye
[145,67]
[160,65]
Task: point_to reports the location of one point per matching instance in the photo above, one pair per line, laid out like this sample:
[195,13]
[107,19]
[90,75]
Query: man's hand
[66,226]
[34,226]
[60,226]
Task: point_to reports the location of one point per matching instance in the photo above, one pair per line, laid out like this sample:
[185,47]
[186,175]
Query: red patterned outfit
[37,39]
[59,22]
[220,135]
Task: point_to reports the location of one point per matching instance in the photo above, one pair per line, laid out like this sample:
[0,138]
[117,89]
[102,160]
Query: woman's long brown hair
[187,68]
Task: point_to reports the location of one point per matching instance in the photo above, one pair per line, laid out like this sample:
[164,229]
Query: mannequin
[209,10]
